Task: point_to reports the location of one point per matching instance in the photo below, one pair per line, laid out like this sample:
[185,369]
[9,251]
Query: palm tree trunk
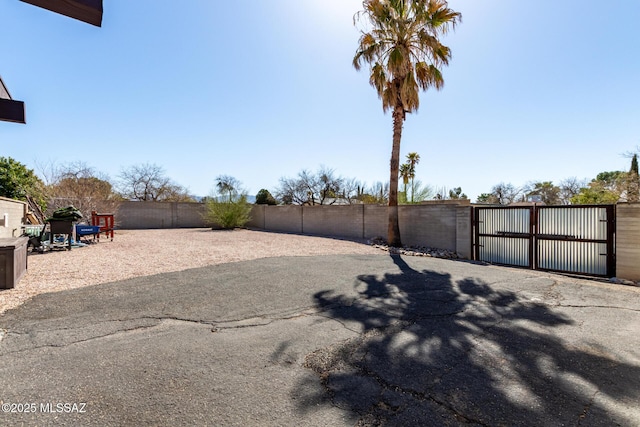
[393,232]
[413,189]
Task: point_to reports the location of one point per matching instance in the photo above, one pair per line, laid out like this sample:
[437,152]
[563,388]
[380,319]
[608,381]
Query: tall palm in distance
[227,184]
[405,174]
[400,44]
[412,160]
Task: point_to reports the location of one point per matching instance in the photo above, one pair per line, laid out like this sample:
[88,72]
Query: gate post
[533,241]
[475,251]
[611,232]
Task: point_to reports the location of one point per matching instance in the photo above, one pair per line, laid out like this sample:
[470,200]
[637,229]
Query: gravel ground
[135,253]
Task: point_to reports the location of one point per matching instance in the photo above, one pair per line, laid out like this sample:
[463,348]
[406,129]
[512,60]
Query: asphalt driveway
[328,340]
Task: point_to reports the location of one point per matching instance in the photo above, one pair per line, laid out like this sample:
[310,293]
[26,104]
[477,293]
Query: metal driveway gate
[572,239]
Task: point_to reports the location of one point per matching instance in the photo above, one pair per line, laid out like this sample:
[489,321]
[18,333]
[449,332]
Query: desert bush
[228,214]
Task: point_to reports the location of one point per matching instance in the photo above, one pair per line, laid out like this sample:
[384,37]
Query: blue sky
[261,89]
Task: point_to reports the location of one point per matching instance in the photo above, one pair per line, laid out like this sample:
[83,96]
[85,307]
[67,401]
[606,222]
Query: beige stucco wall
[628,241]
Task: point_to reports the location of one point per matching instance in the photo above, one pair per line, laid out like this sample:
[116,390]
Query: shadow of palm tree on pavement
[431,351]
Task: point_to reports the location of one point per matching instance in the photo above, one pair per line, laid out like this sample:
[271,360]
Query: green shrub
[18,182]
[265,198]
[230,213]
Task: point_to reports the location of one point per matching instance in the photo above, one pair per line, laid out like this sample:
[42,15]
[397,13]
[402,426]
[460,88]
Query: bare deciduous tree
[320,188]
[570,188]
[502,194]
[79,185]
[148,182]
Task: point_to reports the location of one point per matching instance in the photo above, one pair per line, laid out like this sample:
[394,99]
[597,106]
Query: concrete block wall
[189,215]
[340,221]
[144,215]
[438,225]
[464,230]
[628,241]
[443,226]
[376,221]
[257,216]
[429,225]
[434,225]
[287,219]
[15,211]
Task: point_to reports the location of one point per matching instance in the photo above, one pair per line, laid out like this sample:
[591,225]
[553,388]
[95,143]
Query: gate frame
[534,237]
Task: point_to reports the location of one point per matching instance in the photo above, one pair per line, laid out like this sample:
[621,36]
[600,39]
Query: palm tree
[227,184]
[413,159]
[400,43]
[405,173]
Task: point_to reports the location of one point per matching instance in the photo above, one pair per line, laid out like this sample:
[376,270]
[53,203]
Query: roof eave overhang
[10,110]
[89,11]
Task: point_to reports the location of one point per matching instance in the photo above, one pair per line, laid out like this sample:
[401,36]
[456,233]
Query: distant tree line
[77,184]
[82,186]
[606,188]
[325,187]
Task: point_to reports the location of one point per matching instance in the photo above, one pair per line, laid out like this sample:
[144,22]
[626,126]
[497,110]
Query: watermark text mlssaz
[45,407]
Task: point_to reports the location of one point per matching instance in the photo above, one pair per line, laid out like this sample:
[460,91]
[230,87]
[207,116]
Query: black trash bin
[60,226]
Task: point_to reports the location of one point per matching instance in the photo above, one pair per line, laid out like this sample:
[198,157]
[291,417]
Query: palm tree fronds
[428,75]
[378,78]
[409,93]
[404,40]
[442,17]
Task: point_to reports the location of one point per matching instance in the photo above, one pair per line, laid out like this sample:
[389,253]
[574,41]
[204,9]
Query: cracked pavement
[328,340]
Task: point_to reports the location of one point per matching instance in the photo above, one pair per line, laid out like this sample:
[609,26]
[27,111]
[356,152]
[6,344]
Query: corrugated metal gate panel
[505,220]
[574,257]
[589,223]
[503,236]
[575,239]
[501,250]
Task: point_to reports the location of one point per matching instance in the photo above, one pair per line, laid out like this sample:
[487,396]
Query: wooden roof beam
[89,11]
